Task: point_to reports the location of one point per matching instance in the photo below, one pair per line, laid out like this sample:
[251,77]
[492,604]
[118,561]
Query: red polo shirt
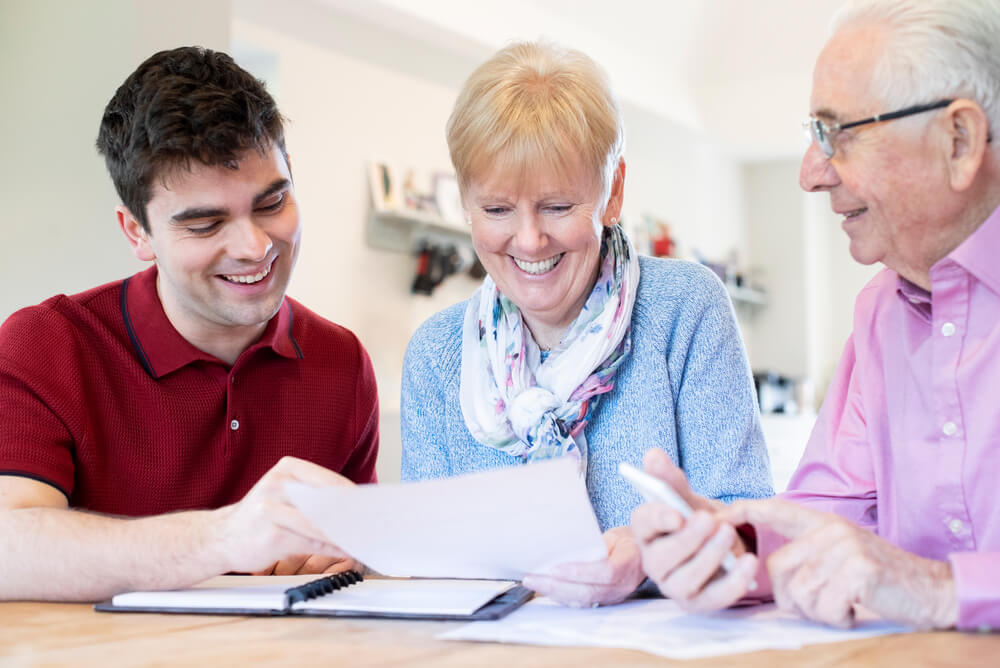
[103,399]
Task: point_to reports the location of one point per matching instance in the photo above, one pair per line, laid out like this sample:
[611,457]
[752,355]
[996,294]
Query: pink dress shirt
[907,442]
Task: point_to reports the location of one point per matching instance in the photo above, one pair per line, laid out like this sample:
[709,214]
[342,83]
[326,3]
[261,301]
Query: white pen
[655,490]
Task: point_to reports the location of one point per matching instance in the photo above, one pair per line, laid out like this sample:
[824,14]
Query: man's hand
[264,532]
[304,564]
[605,582]
[684,557]
[831,565]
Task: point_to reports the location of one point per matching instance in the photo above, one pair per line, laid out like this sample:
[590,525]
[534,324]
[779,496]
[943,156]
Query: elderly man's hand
[831,565]
[607,581]
[684,557]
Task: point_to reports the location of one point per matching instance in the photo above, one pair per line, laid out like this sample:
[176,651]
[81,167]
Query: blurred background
[713,95]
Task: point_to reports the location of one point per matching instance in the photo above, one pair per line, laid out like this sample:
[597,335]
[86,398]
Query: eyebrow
[201,212]
[825,114]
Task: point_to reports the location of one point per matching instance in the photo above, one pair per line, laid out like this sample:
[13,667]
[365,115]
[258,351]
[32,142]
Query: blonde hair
[536,104]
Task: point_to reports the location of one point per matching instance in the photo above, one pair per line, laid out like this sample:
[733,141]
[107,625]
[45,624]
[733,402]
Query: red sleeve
[360,466]
[38,414]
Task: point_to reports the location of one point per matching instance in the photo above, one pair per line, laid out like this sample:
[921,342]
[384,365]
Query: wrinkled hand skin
[830,565]
[684,557]
[605,582]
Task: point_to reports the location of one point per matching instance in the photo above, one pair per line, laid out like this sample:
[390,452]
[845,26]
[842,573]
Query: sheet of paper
[660,627]
[412,596]
[496,525]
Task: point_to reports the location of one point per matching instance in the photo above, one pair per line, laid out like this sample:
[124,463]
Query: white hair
[936,49]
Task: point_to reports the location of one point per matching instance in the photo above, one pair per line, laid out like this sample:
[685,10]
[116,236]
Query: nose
[817,171]
[530,235]
[248,241]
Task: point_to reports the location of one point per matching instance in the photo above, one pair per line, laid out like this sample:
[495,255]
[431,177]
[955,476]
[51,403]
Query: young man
[895,499]
[147,426]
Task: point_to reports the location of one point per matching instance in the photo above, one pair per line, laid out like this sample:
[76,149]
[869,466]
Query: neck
[226,342]
[546,336]
[962,225]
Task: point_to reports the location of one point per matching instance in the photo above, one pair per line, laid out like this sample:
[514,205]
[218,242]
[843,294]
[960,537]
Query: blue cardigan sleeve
[424,396]
[720,442]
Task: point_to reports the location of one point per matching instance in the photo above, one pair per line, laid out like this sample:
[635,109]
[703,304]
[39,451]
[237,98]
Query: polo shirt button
[234,425]
[956,526]
[947,329]
[949,428]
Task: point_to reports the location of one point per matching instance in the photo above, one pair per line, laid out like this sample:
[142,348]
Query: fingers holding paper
[830,565]
[264,532]
[684,556]
[604,582]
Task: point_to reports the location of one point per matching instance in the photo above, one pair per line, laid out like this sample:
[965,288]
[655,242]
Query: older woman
[573,346]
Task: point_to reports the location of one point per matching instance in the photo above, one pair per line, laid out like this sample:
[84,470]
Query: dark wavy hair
[184,104]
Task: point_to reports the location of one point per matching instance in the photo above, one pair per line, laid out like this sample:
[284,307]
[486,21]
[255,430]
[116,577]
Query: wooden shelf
[748,296]
[402,230]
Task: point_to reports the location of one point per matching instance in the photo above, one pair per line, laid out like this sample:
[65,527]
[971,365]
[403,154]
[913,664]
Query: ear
[966,132]
[138,237]
[613,211]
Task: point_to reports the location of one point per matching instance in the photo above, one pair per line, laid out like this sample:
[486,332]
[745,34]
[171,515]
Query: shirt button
[947,329]
[914,300]
[949,428]
[956,526]
[234,425]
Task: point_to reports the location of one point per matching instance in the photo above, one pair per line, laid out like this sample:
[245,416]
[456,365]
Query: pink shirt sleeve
[977,586]
[836,473]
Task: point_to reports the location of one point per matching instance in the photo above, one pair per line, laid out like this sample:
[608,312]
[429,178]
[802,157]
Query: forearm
[67,555]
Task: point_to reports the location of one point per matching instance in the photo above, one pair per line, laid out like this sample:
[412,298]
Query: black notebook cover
[280,604]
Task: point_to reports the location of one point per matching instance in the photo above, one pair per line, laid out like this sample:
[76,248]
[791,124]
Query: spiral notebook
[343,595]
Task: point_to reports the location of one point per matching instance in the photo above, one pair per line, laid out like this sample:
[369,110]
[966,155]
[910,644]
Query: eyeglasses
[818,131]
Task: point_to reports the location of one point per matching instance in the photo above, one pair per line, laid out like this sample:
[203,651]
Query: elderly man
[894,503]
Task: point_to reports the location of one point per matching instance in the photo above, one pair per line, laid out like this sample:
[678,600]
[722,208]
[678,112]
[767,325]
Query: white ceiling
[737,70]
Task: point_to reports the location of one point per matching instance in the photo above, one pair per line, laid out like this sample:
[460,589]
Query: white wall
[774,213]
[352,91]
[60,63]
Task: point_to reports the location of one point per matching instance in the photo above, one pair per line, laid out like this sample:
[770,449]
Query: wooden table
[56,634]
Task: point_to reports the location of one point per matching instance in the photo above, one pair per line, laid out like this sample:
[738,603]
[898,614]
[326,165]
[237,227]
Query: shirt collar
[977,254]
[915,297]
[161,348]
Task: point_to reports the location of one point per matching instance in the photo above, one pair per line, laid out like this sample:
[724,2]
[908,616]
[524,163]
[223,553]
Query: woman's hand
[604,582]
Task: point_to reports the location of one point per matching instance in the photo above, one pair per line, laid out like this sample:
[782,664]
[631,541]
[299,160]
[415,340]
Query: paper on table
[498,524]
[659,626]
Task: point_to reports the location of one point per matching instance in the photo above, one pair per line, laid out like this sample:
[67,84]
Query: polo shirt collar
[161,348]
[978,253]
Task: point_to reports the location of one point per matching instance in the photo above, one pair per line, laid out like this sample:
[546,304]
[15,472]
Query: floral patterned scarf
[533,406]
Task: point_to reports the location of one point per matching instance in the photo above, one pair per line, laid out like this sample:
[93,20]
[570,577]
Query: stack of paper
[499,524]
[660,627]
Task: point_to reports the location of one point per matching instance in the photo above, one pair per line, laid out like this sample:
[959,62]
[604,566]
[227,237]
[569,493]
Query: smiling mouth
[540,267]
[248,279]
[854,214]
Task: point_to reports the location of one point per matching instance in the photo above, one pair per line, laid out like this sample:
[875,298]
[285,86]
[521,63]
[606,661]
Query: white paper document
[498,524]
[659,626]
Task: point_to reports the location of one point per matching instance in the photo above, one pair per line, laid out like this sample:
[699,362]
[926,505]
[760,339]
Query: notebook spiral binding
[321,587]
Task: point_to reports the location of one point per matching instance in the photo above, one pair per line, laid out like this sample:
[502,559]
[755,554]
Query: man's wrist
[946,596]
